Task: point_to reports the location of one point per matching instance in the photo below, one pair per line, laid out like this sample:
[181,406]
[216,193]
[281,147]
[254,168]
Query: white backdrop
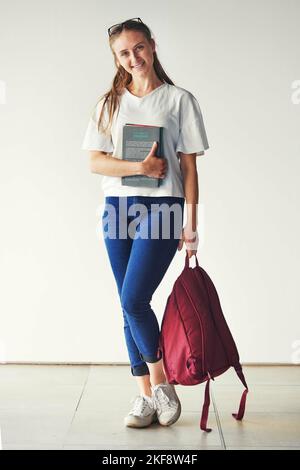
[59,300]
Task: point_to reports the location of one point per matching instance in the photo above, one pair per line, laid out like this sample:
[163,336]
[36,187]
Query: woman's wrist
[190,226]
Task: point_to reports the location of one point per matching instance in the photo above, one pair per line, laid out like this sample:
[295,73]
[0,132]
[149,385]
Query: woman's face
[131,49]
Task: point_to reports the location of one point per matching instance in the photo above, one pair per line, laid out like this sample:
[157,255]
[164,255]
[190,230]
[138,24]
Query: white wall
[59,301]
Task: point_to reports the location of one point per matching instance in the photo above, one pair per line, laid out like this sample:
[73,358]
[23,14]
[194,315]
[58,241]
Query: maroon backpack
[195,340]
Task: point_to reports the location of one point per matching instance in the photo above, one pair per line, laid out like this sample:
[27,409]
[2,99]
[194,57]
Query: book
[137,143]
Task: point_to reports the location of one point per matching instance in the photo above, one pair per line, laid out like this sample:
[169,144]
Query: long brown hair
[122,78]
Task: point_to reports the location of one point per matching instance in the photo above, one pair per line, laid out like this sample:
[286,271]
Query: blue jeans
[140,251]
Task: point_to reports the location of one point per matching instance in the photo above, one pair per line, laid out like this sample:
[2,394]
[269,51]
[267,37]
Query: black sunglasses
[117,28]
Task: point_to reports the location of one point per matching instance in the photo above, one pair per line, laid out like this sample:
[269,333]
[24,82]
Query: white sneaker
[167,403]
[142,414]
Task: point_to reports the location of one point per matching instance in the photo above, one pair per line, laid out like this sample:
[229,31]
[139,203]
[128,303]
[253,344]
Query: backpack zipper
[182,322]
[198,316]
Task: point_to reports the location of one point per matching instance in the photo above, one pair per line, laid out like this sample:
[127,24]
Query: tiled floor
[82,407]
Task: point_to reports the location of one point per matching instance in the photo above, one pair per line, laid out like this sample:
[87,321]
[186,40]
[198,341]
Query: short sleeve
[94,139]
[192,135]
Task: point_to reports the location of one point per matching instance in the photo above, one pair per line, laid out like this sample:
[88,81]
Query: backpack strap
[204,416]
[187,260]
[205,409]
[240,414]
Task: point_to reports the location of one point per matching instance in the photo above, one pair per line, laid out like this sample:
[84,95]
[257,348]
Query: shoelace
[162,399]
[140,403]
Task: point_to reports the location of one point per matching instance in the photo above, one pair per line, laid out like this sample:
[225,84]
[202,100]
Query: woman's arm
[104,164]
[191,189]
[190,182]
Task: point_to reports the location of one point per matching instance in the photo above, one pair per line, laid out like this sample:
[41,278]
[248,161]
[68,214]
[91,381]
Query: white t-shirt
[169,106]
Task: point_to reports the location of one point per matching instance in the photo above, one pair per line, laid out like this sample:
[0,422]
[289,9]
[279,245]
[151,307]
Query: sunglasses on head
[117,28]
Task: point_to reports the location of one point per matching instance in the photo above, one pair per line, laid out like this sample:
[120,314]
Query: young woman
[142,93]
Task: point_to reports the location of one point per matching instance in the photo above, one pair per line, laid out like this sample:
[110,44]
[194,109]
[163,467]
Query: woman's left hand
[191,240]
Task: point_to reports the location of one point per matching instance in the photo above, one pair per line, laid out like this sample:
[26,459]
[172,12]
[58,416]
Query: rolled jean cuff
[140,370]
[152,359]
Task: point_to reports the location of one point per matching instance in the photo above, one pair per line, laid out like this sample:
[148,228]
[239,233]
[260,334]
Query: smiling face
[133,51]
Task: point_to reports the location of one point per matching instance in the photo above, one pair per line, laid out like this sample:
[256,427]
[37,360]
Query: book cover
[137,142]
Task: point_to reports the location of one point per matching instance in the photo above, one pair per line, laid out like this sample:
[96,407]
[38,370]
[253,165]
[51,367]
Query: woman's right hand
[153,165]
